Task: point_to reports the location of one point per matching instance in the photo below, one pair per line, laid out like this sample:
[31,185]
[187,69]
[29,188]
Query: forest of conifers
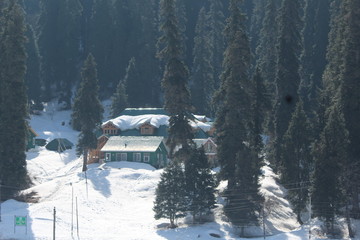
[285,69]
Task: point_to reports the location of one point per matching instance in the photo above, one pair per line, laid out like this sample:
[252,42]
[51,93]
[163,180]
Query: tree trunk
[355,202]
[85,155]
[348,222]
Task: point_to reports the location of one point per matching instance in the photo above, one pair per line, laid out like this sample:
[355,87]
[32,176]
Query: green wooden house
[146,149]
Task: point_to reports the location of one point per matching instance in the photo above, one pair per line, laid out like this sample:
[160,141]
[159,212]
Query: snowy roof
[142,111]
[132,144]
[201,141]
[126,122]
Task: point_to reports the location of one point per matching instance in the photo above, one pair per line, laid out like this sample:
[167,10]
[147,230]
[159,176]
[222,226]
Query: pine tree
[119,99]
[174,82]
[142,46]
[87,109]
[59,28]
[287,77]
[234,99]
[200,185]
[330,152]
[132,83]
[13,100]
[297,164]
[32,77]
[170,199]
[216,24]
[202,74]
[350,92]
[102,32]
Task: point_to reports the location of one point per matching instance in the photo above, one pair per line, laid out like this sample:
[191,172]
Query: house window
[137,157]
[146,130]
[108,157]
[146,157]
[123,156]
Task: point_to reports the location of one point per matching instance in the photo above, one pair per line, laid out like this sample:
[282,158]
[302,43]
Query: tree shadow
[98,178]
[210,230]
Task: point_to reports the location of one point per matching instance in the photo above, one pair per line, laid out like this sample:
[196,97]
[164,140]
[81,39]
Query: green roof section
[132,144]
[143,111]
[59,145]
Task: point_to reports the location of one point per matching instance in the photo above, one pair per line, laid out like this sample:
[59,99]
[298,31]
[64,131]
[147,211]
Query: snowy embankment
[116,200]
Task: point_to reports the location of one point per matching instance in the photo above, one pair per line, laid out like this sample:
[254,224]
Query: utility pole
[77,219]
[72,209]
[0,200]
[54,224]
[310,216]
[263,219]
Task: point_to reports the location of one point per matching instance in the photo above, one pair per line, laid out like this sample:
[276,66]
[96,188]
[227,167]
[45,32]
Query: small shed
[146,149]
[59,145]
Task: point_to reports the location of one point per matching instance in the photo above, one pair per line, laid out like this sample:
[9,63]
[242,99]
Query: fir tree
[170,199]
[297,164]
[232,123]
[132,83]
[200,185]
[313,59]
[350,92]
[202,73]
[119,99]
[174,82]
[59,28]
[13,100]
[32,77]
[287,77]
[330,152]
[216,24]
[87,109]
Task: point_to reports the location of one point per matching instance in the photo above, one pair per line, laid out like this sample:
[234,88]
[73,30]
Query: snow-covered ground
[116,200]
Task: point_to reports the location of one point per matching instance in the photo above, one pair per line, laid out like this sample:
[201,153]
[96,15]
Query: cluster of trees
[13,100]
[287,69]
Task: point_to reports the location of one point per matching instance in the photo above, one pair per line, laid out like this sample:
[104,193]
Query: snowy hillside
[116,200]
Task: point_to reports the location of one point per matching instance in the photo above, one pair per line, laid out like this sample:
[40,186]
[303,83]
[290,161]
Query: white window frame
[137,157]
[108,157]
[123,157]
[146,157]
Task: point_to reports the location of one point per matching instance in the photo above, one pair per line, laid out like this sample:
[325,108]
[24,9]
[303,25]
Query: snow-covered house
[210,149]
[141,122]
[146,149]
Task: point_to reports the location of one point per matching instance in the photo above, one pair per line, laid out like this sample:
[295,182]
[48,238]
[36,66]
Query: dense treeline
[284,71]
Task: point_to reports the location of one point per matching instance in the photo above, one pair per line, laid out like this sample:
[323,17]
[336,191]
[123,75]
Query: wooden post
[77,219]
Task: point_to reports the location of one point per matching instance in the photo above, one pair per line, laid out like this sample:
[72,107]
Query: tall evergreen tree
[87,109]
[350,91]
[133,83]
[13,100]
[170,201]
[216,22]
[200,185]
[287,77]
[119,99]
[297,164]
[330,152]
[32,77]
[142,46]
[175,78]
[232,124]
[202,73]
[59,28]
[313,59]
